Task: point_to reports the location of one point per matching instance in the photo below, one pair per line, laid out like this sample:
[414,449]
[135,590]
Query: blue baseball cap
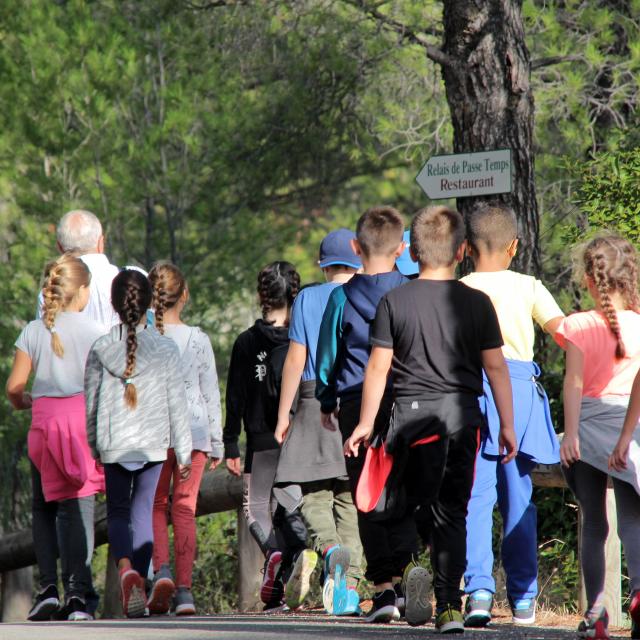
[406,266]
[336,249]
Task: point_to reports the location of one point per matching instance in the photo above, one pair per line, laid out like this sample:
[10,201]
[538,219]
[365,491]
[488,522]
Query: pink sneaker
[272,588]
[134,600]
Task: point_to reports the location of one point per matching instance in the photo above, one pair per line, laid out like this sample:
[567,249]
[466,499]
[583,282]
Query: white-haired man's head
[80,231]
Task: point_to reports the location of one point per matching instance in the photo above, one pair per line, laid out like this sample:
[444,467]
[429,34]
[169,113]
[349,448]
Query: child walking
[64,476]
[136,411]
[519,300]
[198,370]
[341,359]
[311,455]
[248,402]
[602,358]
[436,335]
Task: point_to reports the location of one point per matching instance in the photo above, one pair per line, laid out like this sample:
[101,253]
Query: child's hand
[569,450]
[213,463]
[27,400]
[361,434]
[233,466]
[619,456]
[507,442]
[281,431]
[185,471]
[326,420]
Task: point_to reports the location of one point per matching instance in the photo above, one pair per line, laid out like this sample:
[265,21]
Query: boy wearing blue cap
[311,454]
[343,353]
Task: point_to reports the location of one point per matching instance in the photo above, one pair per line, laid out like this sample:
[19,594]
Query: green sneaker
[449,620]
[299,581]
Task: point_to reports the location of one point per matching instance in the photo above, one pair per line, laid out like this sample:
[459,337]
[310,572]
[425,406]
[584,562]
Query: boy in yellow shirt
[519,300]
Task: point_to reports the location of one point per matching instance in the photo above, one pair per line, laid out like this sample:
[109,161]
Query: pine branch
[551,60]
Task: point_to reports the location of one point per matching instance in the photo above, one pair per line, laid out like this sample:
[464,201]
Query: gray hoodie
[117,433]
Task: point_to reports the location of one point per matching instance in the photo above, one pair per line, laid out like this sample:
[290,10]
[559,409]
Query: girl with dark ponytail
[248,403]
[603,357]
[136,409]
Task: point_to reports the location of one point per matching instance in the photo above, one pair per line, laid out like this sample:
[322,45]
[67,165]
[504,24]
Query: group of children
[389,405]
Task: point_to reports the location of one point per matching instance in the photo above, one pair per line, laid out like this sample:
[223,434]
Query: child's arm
[546,311]
[572,397]
[291,376]
[552,325]
[92,380]
[618,458]
[498,375]
[208,380]
[375,382]
[235,403]
[17,381]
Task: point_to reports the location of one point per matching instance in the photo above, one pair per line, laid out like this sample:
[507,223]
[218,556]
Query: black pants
[388,546]
[438,479]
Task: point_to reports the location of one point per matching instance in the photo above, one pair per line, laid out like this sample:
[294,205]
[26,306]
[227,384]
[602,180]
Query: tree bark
[491,103]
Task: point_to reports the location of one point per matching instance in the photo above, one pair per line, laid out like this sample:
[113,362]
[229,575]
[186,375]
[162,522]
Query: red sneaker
[634,614]
[134,600]
[272,588]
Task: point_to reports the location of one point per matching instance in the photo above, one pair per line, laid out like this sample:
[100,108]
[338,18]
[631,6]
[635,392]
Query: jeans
[63,528]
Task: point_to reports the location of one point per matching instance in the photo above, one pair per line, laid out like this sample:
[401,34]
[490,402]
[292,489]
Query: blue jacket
[343,346]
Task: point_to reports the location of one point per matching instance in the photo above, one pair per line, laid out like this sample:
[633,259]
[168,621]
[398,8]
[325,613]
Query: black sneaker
[400,599]
[47,602]
[384,607]
[76,609]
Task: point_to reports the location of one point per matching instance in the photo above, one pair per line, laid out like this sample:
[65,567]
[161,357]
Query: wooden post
[17,594]
[112,605]
[250,562]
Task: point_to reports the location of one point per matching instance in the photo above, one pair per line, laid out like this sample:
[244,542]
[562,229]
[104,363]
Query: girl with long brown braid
[64,476]
[136,409]
[603,357]
[198,368]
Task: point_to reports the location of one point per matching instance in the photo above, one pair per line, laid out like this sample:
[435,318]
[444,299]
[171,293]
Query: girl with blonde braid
[198,368]
[64,476]
[602,360]
[136,410]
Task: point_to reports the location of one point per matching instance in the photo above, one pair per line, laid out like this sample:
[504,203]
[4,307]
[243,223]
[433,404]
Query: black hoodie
[246,399]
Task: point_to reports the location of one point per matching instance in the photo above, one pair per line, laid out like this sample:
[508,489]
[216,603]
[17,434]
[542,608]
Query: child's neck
[172,316]
[340,277]
[491,261]
[617,301]
[278,317]
[374,265]
[438,273]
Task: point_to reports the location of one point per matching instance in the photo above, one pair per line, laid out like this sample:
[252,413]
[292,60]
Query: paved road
[256,627]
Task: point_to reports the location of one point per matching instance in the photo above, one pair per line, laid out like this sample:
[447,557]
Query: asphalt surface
[254,627]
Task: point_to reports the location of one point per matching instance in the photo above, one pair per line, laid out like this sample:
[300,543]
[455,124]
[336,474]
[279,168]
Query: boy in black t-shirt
[436,335]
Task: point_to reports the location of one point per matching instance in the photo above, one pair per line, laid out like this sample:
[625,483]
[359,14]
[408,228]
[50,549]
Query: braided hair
[131,297]
[168,285]
[612,263]
[62,281]
[278,285]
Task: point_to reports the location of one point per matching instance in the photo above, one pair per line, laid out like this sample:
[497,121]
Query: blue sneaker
[335,597]
[477,610]
[523,610]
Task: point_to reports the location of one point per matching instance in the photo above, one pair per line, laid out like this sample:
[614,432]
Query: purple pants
[130,497]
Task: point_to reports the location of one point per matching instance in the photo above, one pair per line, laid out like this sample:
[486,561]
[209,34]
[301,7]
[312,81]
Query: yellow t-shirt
[518,300]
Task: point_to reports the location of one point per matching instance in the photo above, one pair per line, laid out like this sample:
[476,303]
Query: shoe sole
[524,621]
[185,610]
[79,616]
[455,626]
[477,619]
[137,603]
[418,609]
[298,584]
[44,610]
[161,595]
[337,596]
[384,615]
[267,588]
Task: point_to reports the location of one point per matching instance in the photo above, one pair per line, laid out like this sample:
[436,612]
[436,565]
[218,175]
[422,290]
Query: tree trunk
[491,103]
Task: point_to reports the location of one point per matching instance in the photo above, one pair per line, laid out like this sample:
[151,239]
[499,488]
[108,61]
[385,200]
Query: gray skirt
[310,452]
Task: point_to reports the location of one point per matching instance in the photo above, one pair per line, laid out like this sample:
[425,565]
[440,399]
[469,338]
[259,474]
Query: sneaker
[184,605]
[524,610]
[277,606]
[47,602]
[271,588]
[449,620]
[400,600]
[352,604]
[76,609]
[417,588]
[595,625]
[634,614]
[477,611]
[134,601]
[384,607]
[162,591]
[335,590]
[298,583]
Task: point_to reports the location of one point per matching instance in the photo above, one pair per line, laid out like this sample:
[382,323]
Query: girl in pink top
[603,357]
[65,478]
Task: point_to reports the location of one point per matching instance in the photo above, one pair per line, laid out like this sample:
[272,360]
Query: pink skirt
[58,447]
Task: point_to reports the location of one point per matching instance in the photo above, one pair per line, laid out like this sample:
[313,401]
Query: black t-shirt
[437,329]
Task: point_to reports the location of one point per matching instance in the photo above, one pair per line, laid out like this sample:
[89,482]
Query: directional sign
[467,174]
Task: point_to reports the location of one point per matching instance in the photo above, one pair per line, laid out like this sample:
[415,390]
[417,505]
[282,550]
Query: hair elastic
[53,330]
[128,381]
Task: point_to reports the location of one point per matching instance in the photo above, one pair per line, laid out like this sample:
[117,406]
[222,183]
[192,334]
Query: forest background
[225,134]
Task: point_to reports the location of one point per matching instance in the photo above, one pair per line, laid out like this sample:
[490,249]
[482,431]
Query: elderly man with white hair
[80,231]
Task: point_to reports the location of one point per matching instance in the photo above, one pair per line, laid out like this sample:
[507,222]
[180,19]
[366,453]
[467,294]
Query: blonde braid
[604,287]
[53,295]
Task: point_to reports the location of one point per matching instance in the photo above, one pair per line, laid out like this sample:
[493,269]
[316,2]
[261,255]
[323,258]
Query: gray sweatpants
[590,486]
